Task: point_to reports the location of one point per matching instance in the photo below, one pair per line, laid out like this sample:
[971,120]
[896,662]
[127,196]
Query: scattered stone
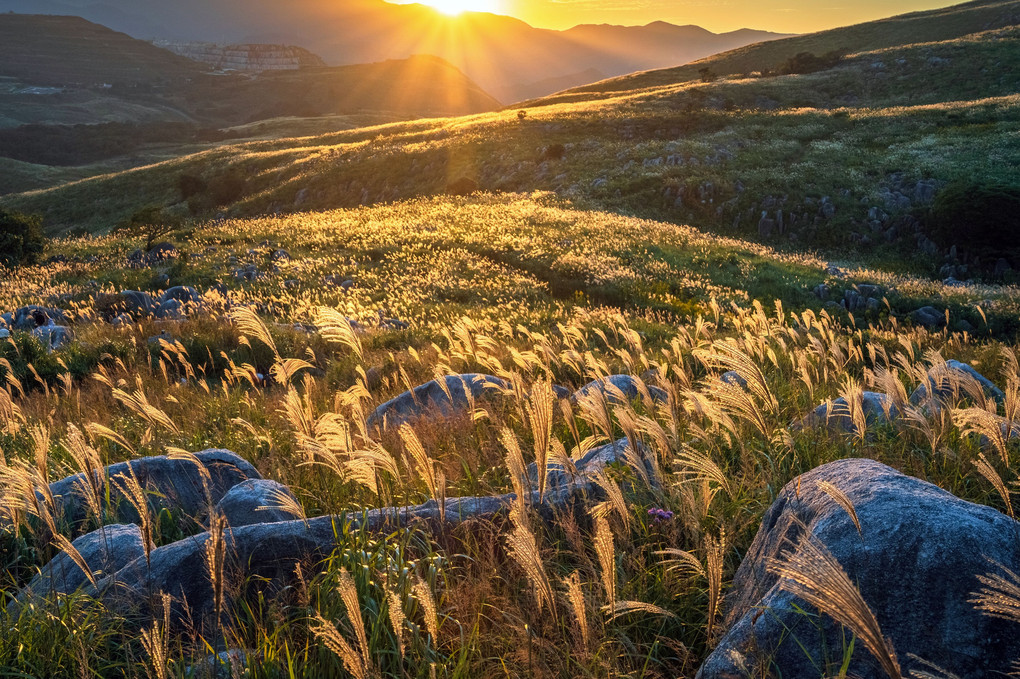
[53,337]
[162,252]
[181,293]
[257,501]
[916,562]
[929,317]
[272,550]
[454,396]
[615,385]
[174,483]
[734,378]
[942,378]
[878,409]
[105,551]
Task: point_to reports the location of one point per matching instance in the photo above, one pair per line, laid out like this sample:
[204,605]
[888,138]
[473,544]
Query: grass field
[524,287]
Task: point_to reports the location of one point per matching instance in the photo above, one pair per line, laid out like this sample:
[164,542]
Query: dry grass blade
[523,548]
[575,597]
[605,550]
[215,559]
[620,608]
[423,593]
[337,329]
[328,634]
[842,500]
[986,470]
[999,596]
[812,573]
[251,326]
[349,595]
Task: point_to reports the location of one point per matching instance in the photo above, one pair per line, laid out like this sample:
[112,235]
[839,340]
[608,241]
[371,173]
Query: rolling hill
[842,159]
[66,70]
[914,28]
[507,57]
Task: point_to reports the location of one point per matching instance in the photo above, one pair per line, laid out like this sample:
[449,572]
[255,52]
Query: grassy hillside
[851,156]
[64,50]
[918,27]
[523,286]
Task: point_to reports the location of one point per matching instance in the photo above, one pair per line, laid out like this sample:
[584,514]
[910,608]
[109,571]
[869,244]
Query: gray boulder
[132,303]
[942,383]
[53,337]
[175,484]
[431,399]
[29,317]
[878,410]
[265,554]
[105,551]
[626,384]
[255,501]
[929,317]
[915,561]
[185,294]
[734,378]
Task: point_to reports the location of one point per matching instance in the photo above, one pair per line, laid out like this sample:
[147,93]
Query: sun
[455,7]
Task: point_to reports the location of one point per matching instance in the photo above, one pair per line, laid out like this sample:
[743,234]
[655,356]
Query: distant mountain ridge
[935,25]
[67,70]
[507,57]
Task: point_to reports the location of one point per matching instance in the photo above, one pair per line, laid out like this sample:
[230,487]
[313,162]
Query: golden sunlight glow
[455,7]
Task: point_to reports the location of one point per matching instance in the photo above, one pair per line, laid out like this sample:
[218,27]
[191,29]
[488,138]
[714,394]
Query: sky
[785,16]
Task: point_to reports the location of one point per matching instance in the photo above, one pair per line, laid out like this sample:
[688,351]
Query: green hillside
[66,50]
[919,27]
[847,159]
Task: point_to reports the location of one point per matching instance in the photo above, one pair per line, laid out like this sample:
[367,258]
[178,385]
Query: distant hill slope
[67,50]
[843,160]
[66,70]
[916,27]
[253,58]
[507,57]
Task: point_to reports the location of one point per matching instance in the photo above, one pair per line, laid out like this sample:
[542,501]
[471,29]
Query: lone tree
[21,239]
[148,223]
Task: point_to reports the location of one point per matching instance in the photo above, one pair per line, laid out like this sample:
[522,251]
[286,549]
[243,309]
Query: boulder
[265,555]
[53,337]
[734,378]
[915,561]
[105,551]
[942,379]
[626,384]
[133,303]
[171,309]
[878,409]
[34,316]
[928,317]
[185,294]
[432,399]
[161,252]
[255,501]
[174,483]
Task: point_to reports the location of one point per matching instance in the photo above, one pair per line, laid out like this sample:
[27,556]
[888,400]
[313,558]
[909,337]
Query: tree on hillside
[21,239]
[148,223]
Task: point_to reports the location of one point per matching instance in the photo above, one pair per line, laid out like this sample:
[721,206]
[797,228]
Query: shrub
[462,187]
[808,62]
[191,185]
[980,219]
[149,223]
[226,188]
[554,152]
[21,239]
[707,75]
